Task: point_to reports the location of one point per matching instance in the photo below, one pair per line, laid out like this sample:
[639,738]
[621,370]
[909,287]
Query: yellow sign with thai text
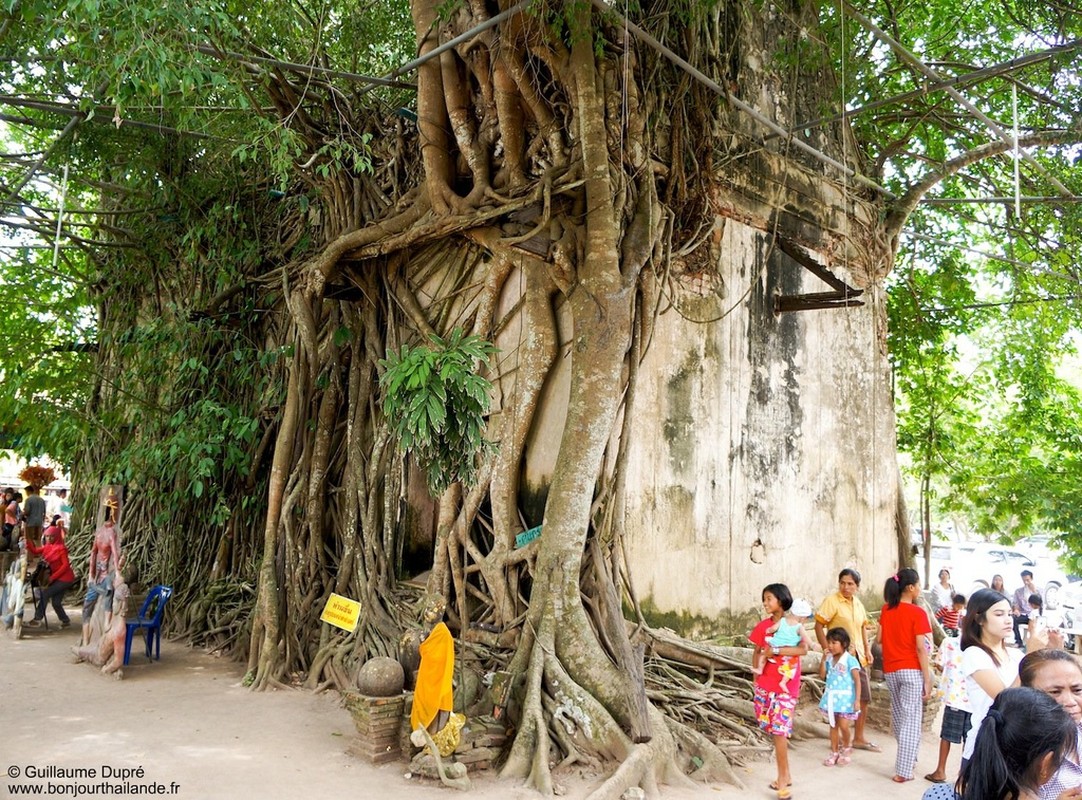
[341,612]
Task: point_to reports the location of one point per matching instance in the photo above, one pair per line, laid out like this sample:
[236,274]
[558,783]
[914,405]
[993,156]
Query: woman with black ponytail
[1024,739]
[904,633]
[988,664]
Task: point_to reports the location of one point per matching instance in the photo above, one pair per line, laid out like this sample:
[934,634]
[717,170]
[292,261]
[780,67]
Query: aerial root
[564,722]
[643,765]
[529,757]
[715,765]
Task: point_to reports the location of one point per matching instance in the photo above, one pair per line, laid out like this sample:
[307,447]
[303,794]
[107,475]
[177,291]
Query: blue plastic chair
[156,600]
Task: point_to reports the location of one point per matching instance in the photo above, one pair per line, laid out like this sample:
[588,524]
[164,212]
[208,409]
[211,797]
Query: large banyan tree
[353,329]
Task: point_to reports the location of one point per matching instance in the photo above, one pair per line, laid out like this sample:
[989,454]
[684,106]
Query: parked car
[972,565]
[1062,606]
[1069,596]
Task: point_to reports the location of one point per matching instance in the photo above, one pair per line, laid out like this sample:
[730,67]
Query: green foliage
[104,353]
[983,303]
[184,423]
[436,404]
[983,411]
[152,64]
[47,330]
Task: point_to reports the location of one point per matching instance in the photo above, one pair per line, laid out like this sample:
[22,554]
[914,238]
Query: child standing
[786,632]
[841,700]
[1036,613]
[956,712]
[774,704]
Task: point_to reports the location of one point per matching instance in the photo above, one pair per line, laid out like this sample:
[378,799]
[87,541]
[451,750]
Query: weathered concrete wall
[765,444]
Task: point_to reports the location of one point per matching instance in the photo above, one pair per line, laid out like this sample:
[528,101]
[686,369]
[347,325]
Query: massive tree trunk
[567,187]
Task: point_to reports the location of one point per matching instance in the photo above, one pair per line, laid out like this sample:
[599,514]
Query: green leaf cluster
[984,302]
[987,417]
[45,365]
[436,402]
[184,423]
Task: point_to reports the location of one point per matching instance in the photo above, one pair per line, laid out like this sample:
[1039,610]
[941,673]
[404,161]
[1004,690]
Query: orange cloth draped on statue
[433,692]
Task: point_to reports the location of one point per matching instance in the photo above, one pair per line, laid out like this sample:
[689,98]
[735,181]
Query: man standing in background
[34,515]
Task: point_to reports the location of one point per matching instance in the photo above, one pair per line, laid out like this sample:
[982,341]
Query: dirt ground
[186,726]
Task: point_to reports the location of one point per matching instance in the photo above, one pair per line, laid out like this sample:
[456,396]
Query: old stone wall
[764,443]
[765,446]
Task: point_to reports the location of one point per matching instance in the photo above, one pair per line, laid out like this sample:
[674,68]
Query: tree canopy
[204,78]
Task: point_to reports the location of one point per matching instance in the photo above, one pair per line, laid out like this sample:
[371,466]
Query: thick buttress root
[559,715]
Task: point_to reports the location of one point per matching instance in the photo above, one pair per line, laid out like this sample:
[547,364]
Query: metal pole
[649,40]
[948,201]
[60,216]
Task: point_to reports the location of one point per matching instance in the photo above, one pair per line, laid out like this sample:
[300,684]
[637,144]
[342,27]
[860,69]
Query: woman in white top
[988,665]
[943,593]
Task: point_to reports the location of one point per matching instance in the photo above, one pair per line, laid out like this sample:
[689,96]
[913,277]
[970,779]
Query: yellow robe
[433,692]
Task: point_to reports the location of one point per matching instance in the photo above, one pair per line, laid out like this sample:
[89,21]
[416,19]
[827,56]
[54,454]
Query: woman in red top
[904,632]
[775,700]
[62,577]
[57,527]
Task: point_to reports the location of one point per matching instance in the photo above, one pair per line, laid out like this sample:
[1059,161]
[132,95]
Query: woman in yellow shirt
[843,609]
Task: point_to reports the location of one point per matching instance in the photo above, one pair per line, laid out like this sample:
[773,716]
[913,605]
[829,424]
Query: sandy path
[192,728]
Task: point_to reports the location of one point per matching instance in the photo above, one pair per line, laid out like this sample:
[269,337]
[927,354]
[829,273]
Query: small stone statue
[432,719]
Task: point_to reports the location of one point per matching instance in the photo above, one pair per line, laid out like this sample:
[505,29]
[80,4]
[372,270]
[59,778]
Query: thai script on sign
[341,612]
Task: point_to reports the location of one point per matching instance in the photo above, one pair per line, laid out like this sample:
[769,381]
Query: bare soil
[191,726]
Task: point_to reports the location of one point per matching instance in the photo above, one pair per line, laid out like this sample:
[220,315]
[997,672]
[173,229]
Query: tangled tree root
[558,710]
[647,765]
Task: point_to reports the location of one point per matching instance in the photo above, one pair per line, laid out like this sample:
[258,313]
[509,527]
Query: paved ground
[190,726]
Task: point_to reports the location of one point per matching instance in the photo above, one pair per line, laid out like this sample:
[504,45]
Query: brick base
[377,720]
[483,741]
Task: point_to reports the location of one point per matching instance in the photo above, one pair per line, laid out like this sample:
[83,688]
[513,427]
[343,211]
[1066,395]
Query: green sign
[526,537]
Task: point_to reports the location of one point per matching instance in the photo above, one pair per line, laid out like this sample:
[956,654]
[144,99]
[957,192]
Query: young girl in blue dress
[841,700]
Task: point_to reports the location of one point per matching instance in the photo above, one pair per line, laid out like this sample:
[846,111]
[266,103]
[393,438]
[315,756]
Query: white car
[972,565]
[1062,606]
[1069,596]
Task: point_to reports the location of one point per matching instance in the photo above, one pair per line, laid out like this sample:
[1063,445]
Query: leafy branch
[436,403]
